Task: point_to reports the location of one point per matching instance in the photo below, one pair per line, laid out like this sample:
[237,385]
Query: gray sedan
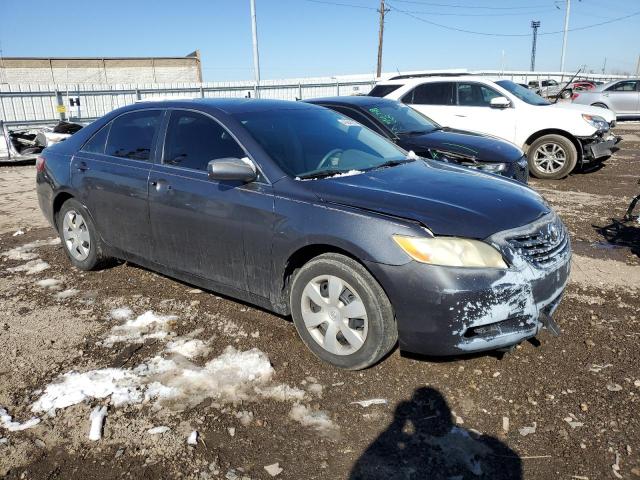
[621,96]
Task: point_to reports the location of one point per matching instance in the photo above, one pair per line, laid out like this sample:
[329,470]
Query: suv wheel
[552,157]
[341,312]
[79,236]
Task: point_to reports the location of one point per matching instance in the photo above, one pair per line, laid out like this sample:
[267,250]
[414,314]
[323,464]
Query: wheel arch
[58,201]
[299,258]
[553,131]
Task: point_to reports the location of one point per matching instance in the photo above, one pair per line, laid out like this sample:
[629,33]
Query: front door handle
[461,116]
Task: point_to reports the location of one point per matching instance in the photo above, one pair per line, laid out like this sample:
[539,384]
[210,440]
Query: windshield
[522,93]
[401,119]
[318,142]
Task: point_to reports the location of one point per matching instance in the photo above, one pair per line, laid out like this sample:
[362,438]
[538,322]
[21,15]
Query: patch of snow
[70,292]
[7,422]
[146,326]
[315,419]
[373,401]
[25,252]
[281,393]
[50,283]
[72,388]
[97,422]
[188,347]
[193,438]
[245,417]
[18,232]
[524,431]
[121,313]
[273,469]
[158,430]
[31,267]
[412,155]
[232,431]
[315,388]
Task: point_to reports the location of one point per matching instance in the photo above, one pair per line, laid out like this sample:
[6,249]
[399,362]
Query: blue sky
[300,38]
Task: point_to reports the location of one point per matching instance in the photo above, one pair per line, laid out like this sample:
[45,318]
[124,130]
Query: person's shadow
[422,443]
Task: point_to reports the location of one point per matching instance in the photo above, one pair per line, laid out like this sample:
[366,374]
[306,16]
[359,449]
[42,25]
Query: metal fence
[43,104]
[38,104]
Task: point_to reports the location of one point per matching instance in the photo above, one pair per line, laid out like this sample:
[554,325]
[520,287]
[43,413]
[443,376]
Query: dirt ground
[564,408]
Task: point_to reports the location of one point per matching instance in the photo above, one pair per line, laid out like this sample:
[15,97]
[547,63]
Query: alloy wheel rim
[334,315]
[76,235]
[550,157]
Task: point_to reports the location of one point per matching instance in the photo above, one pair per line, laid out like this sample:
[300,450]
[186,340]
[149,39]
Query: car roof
[354,100]
[227,105]
[441,78]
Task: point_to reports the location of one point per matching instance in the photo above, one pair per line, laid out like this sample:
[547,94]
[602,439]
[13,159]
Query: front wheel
[552,157]
[79,236]
[342,313]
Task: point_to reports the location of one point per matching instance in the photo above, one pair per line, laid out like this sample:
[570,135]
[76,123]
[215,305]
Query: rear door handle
[160,185]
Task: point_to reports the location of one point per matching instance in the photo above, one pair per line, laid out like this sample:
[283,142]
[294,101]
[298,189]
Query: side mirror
[500,102]
[240,169]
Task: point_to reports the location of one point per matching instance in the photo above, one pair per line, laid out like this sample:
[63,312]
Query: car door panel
[436,100]
[217,230]
[623,97]
[115,189]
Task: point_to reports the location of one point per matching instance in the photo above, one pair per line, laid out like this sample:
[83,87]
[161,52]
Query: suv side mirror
[240,169]
[499,102]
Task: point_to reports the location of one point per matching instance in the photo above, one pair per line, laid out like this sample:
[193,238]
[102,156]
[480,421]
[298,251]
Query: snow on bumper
[448,311]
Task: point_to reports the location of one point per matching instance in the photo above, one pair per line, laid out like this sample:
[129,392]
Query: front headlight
[451,251]
[596,121]
[487,167]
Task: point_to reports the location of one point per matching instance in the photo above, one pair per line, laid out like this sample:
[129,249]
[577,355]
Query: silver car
[621,96]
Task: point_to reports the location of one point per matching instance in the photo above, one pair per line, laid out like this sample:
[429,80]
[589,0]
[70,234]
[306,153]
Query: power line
[490,34]
[448,5]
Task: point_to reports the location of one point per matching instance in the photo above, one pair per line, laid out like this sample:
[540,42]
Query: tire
[560,159]
[601,105]
[566,94]
[370,334]
[74,222]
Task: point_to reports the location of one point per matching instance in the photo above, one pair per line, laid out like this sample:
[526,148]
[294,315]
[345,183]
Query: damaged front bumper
[598,146]
[452,310]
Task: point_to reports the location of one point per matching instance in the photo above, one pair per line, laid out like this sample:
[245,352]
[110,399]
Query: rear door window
[475,95]
[626,86]
[132,135]
[383,90]
[435,93]
[193,140]
[97,143]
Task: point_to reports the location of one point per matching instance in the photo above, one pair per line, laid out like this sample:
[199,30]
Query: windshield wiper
[391,163]
[413,132]
[321,173]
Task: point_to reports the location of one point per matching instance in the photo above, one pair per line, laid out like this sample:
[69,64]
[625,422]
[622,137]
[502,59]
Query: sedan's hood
[483,148]
[449,200]
[608,115]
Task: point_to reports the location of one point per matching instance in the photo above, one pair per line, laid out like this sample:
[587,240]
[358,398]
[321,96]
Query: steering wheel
[328,156]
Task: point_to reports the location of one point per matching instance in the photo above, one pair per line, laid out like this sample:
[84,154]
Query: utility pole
[382,11]
[256,58]
[564,35]
[604,65]
[535,24]
[638,67]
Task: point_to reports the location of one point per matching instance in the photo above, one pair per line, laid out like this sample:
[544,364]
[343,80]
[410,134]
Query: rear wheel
[552,157]
[566,94]
[341,312]
[79,237]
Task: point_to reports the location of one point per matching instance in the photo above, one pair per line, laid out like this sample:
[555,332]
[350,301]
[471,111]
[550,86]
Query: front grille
[521,171]
[544,246]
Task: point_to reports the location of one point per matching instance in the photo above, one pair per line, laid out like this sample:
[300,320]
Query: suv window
[383,90]
[436,93]
[475,95]
[97,142]
[626,86]
[193,140]
[132,134]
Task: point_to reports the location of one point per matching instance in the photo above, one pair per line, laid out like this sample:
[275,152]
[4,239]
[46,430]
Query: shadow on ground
[422,442]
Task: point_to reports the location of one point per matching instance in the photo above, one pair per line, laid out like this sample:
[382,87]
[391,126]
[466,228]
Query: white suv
[556,137]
